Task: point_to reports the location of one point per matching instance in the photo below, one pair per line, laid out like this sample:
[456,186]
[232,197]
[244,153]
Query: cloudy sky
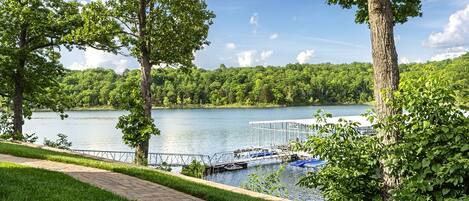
[278,32]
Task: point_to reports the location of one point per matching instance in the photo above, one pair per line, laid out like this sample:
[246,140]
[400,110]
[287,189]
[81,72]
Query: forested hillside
[293,84]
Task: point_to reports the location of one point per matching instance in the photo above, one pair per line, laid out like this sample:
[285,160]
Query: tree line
[293,84]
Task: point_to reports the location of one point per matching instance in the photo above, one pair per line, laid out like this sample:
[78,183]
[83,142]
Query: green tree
[431,158]
[382,16]
[32,33]
[156,32]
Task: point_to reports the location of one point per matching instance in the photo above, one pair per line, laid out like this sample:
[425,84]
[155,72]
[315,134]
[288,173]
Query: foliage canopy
[32,33]
[171,32]
[402,9]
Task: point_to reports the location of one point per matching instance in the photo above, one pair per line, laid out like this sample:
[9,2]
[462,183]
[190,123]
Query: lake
[204,131]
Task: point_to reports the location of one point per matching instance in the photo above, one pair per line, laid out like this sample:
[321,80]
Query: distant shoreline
[206,106]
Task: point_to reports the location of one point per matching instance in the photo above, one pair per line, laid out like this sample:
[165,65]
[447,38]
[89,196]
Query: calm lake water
[204,131]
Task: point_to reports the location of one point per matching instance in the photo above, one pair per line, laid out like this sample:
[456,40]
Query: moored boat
[310,163]
[232,167]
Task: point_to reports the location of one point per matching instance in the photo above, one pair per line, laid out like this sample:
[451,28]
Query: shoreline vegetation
[205,106]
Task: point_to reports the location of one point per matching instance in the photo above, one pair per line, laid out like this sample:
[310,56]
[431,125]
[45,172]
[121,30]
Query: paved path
[126,186]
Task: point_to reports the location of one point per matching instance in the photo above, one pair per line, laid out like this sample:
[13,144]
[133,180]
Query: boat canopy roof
[313,121]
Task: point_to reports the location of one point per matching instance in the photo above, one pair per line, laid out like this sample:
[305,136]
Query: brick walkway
[126,186]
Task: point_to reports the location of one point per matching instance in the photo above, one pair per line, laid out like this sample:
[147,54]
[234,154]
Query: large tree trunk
[386,75]
[18,107]
[141,151]
[18,96]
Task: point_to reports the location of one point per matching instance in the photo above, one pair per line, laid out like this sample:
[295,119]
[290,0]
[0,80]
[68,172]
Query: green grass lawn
[19,182]
[196,189]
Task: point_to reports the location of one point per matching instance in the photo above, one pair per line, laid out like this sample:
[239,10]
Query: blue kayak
[308,163]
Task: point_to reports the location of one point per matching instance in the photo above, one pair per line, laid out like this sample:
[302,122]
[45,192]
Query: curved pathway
[124,185]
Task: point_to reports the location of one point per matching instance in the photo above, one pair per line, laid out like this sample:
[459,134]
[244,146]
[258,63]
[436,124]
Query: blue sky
[278,32]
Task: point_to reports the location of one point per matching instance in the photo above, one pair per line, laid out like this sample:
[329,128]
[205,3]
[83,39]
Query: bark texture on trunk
[386,74]
[18,107]
[18,96]
[141,151]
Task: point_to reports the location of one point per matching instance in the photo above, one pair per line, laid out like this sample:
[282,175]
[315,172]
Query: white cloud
[252,57]
[405,60]
[274,36]
[121,65]
[450,53]
[253,19]
[455,33]
[246,58]
[76,66]
[304,56]
[254,22]
[97,58]
[230,46]
[266,54]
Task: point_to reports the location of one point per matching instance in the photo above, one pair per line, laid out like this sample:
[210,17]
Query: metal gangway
[179,159]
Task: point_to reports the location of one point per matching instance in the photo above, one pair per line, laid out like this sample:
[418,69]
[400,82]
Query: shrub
[269,183]
[164,166]
[6,123]
[61,143]
[432,156]
[195,169]
[352,169]
[6,128]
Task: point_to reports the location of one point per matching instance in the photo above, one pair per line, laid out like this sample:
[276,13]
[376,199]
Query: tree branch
[126,26]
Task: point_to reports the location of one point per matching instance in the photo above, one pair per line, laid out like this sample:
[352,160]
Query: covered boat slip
[275,137]
[277,133]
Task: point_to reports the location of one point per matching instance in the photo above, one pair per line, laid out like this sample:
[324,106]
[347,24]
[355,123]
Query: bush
[432,156]
[164,166]
[267,183]
[195,169]
[431,159]
[352,169]
[6,128]
[6,123]
[61,143]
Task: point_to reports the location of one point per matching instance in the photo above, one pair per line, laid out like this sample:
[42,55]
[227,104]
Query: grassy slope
[198,190]
[23,183]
